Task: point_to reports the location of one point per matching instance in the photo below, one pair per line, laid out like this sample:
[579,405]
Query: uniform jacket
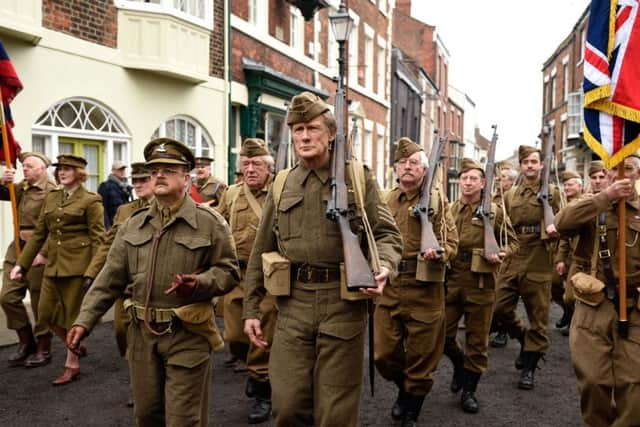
[580,219]
[196,239]
[29,200]
[75,231]
[471,236]
[211,189]
[535,255]
[243,221]
[299,229]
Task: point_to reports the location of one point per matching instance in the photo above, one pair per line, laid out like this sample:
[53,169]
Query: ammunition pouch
[588,289]
[277,273]
[430,270]
[479,263]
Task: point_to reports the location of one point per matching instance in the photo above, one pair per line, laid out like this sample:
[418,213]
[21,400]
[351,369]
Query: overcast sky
[497,50]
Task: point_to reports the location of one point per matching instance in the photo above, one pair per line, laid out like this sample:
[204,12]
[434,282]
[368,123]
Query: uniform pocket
[345,331]
[290,220]
[481,296]
[137,250]
[188,359]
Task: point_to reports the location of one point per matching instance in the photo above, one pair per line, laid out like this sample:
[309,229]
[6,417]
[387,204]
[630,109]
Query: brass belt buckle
[604,254]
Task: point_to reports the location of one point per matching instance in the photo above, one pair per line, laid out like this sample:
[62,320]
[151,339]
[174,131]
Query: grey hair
[512,173]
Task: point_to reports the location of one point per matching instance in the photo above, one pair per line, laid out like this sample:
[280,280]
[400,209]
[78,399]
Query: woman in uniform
[71,225]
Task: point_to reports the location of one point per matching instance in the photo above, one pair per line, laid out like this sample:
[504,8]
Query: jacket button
[57,219]
[58,241]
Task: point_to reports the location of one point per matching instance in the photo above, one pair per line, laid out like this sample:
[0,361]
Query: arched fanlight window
[189,132]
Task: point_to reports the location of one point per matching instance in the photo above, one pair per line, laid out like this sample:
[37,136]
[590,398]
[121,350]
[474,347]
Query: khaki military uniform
[170,372]
[605,363]
[210,189]
[71,230]
[121,318]
[235,208]
[409,317]
[528,273]
[29,202]
[472,294]
[316,360]
[566,248]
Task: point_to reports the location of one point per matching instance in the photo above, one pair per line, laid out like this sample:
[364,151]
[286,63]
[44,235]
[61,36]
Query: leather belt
[308,274]
[408,266]
[464,256]
[529,229]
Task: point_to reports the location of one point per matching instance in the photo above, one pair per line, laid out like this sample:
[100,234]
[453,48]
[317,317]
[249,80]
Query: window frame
[167,7]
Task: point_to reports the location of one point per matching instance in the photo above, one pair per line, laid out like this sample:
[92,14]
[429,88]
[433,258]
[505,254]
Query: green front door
[92,151]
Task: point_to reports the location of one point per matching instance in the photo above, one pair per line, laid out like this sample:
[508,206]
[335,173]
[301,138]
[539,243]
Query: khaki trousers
[234,335]
[535,292]
[316,361]
[409,329]
[13,293]
[121,321]
[169,376]
[258,358]
[607,366]
[476,305]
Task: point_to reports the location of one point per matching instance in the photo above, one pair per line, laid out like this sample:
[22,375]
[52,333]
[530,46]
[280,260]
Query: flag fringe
[610,162]
[612,29]
[597,94]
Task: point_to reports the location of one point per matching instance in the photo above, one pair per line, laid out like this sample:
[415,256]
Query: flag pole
[623,322]
[10,186]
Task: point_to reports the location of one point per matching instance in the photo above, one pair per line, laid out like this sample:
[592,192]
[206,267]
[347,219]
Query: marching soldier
[527,274]
[316,359]
[209,188]
[169,260]
[241,205]
[71,228]
[409,318]
[605,361]
[598,177]
[30,194]
[561,292]
[471,291]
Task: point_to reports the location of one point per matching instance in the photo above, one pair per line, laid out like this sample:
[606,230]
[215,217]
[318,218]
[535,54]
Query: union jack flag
[10,85]
[612,79]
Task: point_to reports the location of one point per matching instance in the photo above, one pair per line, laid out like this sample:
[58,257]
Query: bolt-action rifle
[423,209]
[484,209]
[543,195]
[357,270]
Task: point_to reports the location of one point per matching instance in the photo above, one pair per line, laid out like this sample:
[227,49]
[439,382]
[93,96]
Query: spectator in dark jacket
[114,191]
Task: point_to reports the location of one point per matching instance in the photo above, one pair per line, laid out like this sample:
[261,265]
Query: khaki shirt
[471,231]
[241,217]
[566,245]
[73,230]
[195,240]
[299,229]
[401,206]
[580,218]
[525,210]
[211,189]
[29,200]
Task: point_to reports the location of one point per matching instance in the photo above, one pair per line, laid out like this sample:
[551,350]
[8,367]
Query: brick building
[562,109]
[275,54]
[102,77]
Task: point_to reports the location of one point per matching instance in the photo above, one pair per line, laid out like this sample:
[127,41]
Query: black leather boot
[530,365]
[499,339]
[566,317]
[414,406]
[26,346]
[250,387]
[261,410]
[468,399]
[398,408]
[519,362]
[457,359]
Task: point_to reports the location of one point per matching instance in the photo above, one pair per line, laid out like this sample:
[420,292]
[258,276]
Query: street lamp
[341,24]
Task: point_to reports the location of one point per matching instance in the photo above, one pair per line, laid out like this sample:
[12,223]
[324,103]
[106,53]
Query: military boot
[530,359]
[250,387]
[26,346]
[499,339]
[413,408]
[399,406]
[42,355]
[468,399]
[563,322]
[519,361]
[261,410]
[457,359]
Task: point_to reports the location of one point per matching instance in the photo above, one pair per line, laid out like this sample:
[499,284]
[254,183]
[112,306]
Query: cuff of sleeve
[602,201]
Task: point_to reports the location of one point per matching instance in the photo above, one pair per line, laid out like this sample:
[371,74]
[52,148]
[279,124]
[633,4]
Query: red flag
[10,85]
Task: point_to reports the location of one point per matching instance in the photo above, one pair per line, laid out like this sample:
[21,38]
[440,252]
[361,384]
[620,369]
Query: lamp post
[341,24]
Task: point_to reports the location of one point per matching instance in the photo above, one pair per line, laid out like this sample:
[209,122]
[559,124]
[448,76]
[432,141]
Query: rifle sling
[605,256]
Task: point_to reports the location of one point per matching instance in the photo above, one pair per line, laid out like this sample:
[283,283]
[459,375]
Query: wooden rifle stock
[356,266]
[422,210]
[543,195]
[484,210]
